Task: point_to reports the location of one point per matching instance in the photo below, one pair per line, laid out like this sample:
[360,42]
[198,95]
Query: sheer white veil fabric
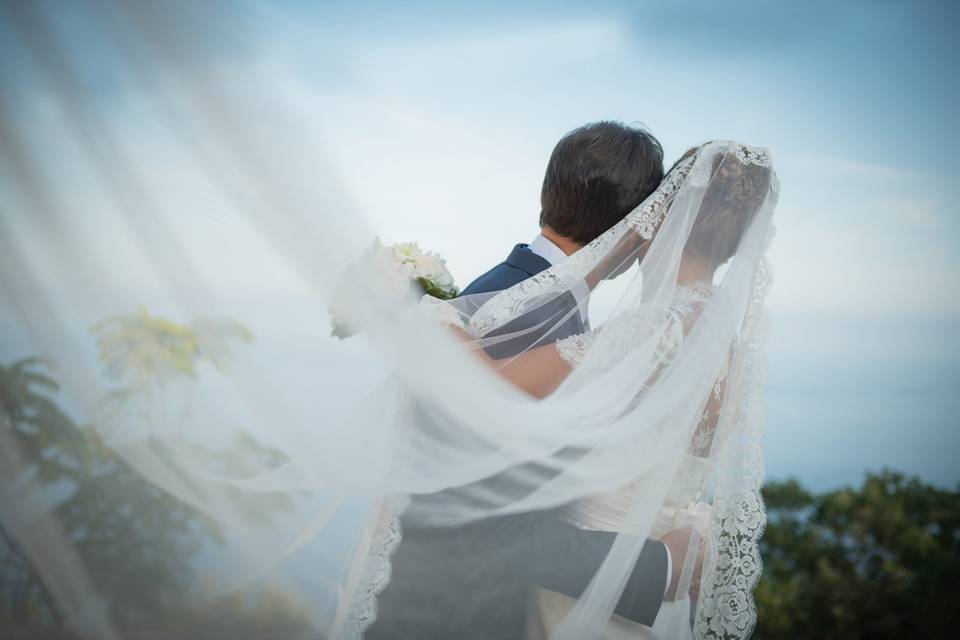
[635,404]
[298,446]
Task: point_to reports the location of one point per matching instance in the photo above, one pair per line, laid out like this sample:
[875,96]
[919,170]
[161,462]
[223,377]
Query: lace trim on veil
[726,608]
[374,576]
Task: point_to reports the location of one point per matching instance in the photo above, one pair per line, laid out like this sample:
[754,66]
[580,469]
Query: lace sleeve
[574,349]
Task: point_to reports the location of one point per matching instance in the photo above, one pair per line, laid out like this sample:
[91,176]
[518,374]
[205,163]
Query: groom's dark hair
[596,175]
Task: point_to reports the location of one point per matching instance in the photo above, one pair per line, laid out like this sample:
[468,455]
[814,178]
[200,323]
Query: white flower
[389,273]
[428,266]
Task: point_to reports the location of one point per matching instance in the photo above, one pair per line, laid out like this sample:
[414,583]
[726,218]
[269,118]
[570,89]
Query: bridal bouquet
[401,271]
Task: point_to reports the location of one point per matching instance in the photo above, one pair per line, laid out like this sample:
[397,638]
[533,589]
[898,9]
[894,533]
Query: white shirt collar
[544,248]
[553,254]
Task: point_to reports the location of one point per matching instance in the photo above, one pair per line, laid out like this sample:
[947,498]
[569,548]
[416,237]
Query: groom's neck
[563,243]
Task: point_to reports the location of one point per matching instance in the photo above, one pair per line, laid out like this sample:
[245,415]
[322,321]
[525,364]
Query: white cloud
[856,237]
[423,140]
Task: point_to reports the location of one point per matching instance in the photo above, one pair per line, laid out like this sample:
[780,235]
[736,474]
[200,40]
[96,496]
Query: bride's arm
[702,441]
[538,371]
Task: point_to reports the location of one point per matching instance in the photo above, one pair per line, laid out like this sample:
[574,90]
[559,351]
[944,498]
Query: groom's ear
[596,175]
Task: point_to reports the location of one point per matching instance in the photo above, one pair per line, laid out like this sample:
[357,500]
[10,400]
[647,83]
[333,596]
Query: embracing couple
[516,576]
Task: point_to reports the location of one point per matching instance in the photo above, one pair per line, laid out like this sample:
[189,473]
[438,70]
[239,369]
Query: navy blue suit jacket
[474,581]
[555,320]
[519,265]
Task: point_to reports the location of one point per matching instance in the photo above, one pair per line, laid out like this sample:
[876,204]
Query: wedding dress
[609,511]
[166,276]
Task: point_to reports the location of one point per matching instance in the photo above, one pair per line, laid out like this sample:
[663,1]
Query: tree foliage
[129,534]
[880,561]
[140,348]
[135,541]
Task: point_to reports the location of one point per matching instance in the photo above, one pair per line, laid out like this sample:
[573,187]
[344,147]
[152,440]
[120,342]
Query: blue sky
[854,100]
[438,118]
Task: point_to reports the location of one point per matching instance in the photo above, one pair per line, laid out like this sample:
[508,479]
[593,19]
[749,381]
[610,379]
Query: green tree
[877,562]
[129,534]
[135,541]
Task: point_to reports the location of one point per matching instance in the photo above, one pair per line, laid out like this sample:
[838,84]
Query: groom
[474,581]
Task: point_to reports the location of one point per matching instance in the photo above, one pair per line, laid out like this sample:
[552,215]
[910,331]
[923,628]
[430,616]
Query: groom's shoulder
[503,276]
[519,265]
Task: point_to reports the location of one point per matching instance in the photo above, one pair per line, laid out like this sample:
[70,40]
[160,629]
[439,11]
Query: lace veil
[181,309]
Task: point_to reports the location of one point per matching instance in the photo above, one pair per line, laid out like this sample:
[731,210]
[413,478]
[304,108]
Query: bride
[683,337]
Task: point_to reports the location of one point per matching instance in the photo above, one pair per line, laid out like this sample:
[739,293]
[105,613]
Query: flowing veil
[169,381]
[712,349]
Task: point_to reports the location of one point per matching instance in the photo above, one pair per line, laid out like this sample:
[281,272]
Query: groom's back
[521,264]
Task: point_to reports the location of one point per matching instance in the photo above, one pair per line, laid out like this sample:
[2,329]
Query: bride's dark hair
[597,174]
[732,199]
